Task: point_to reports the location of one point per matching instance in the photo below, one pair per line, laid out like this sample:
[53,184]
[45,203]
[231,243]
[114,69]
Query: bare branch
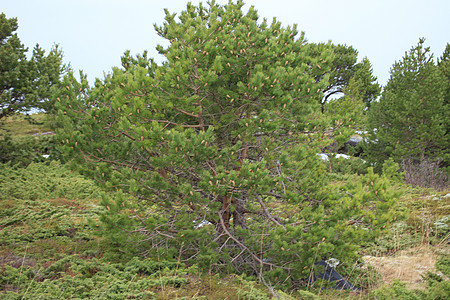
[268,214]
[357,221]
[176,124]
[253,255]
[186,113]
[163,234]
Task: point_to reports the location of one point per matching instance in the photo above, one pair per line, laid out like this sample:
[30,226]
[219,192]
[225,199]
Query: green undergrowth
[422,214]
[20,125]
[44,222]
[52,247]
[437,290]
[78,277]
[426,221]
[27,139]
[49,180]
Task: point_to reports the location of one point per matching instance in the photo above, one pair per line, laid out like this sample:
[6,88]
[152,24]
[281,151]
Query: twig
[260,261]
[234,258]
[268,214]
[163,234]
[254,256]
[351,222]
[176,124]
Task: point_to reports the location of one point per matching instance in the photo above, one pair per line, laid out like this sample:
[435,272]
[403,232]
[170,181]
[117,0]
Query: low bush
[25,150]
[31,221]
[438,287]
[73,276]
[44,181]
[351,165]
[443,265]
[397,290]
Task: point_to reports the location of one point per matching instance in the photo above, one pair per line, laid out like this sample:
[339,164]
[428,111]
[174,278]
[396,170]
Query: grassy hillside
[26,139]
[52,247]
[20,125]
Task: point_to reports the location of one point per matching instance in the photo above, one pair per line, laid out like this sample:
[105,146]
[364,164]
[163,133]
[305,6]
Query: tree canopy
[411,120]
[344,67]
[210,143]
[25,83]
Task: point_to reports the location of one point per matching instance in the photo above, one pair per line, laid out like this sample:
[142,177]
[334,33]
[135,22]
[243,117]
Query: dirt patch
[406,265]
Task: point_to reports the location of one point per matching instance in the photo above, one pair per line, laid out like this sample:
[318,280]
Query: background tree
[344,67]
[218,145]
[411,120]
[346,114]
[444,67]
[25,83]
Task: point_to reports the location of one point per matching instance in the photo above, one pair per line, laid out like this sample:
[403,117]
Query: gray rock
[354,140]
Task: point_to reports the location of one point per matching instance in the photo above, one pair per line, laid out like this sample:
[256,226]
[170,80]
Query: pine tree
[347,113]
[444,67]
[25,84]
[343,68]
[411,120]
[216,147]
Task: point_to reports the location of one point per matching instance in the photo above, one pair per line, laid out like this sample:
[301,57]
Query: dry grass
[75,205]
[409,265]
[406,265]
[425,174]
[204,287]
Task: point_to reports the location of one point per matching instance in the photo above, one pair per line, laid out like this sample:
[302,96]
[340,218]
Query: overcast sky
[95,33]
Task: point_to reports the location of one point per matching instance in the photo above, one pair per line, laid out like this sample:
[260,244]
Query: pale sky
[95,33]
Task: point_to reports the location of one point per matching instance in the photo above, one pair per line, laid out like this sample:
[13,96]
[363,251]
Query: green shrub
[44,181]
[397,237]
[31,221]
[74,277]
[443,265]
[305,295]
[249,291]
[397,290]
[438,288]
[352,165]
[25,150]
